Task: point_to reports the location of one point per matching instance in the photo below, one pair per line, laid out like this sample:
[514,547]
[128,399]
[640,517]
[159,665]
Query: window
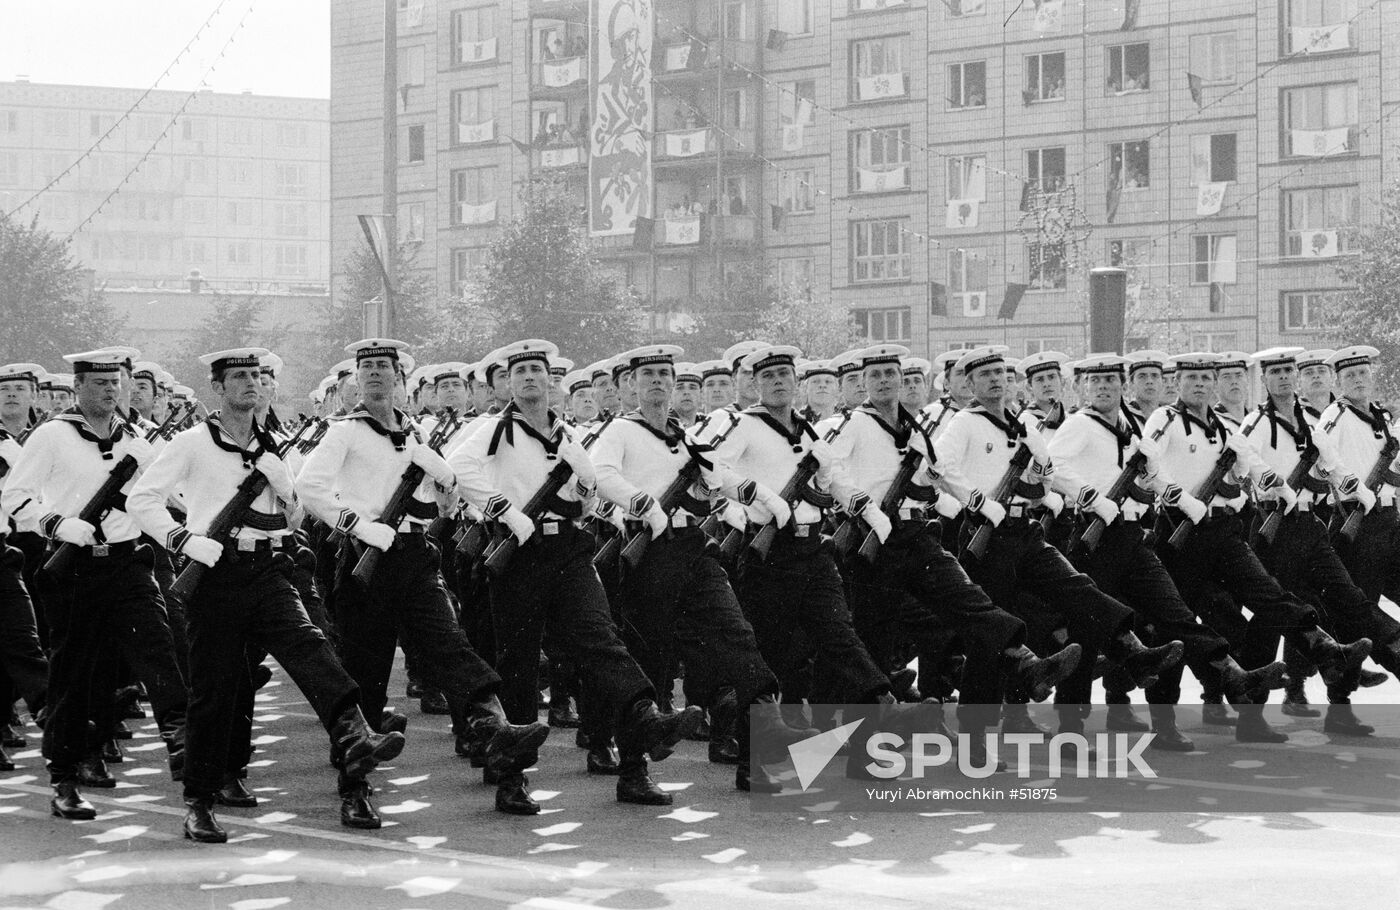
[240,132]
[410,14]
[890,324]
[967,177]
[9,169]
[1318,26]
[791,96]
[1036,345]
[473,107]
[961,8]
[194,252]
[1047,266]
[1129,165]
[289,180]
[1213,158]
[196,211]
[1045,78]
[967,85]
[240,173]
[1320,120]
[967,270]
[1213,57]
[736,20]
[795,16]
[474,34]
[290,220]
[194,130]
[292,135]
[9,121]
[877,67]
[1130,253]
[57,123]
[1321,222]
[239,253]
[797,272]
[412,222]
[735,111]
[467,266]
[196,170]
[473,195]
[1213,259]
[99,124]
[411,60]
[879,251]
[1046,169]
[880,159]
[865,6]
[1214,341]
[238,213]
[415,143]
[1306,309]
[797,190]
[1128,66]
[289,259]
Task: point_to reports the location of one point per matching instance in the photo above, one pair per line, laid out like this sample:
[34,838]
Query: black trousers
[1373,562]
[1216,556]
[1017,558]
[22,660]
[1124,566]
[248,600]
[796,602]
[100,606]
[678,604]
[916,592]
[551,584]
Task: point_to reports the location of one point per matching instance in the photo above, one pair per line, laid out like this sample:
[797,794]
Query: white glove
[1193,507]
[203,550]
[76,531]
[734,515]
[1244,452]
[657,520]
[878,521]
[278,475]
[946,506]
[434,465]
[821,451]
[775,505]
[519,524]
[375,533]
[1040,449]
[1105,508]
[1053,501]
[137,447]
[1328,456]
[993,511]
[1151,450]
[1282,492]
[576,456]
[1365,497]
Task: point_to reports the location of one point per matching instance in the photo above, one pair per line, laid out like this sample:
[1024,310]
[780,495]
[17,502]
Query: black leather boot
[68,803]
[1214,712]
[1240,683]
[1016,718]
[112,752]
[561,706]
[977,756]
[602,759]
[1344,722]
[356,810]
[1253,728]
[1121,719]
[510,748]
[434,702]
[359,748]
[723,746]
[392,721]
[92,772]
[235,793]
[260,676]
[1145,664]
[513,795]
[200,823]
[634,785]
[1038,676]
[764,719]
[645,730]
[1072,721]
[1335,660]
[752,778]
[121,731]
[1168,738]
[6,763]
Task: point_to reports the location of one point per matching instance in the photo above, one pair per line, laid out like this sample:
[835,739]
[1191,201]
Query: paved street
[444,846]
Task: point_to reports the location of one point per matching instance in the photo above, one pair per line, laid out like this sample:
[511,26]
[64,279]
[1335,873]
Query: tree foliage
[232,322]
[821,328]
[47,306]
[1368,314]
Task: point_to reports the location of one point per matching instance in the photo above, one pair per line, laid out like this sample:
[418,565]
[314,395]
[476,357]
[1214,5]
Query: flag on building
[1012,300]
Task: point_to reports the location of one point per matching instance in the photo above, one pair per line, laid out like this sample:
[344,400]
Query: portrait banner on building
[619,163]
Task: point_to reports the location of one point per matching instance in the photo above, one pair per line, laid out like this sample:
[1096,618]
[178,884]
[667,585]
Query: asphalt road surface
[443,845]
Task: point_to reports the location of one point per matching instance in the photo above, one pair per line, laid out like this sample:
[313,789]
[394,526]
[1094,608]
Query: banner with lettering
[619,163]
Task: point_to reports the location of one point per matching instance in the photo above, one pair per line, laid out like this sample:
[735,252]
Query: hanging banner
[681,231]
[887,85]
[1321,39]
[476,51]
[962,213]
[561,73]
[793,136]
[1209,197]
[619,163]
[474,133]
[560,157]
[1049,15]
[485,213]
[677,57]
[687,143]
[1320,143]
[1318,244]
[868,181]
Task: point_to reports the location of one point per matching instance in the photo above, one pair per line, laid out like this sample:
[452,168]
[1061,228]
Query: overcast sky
[282,49]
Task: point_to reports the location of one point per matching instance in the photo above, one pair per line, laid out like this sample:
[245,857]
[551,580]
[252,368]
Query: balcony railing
[697,56]
[560,74]
[679,146]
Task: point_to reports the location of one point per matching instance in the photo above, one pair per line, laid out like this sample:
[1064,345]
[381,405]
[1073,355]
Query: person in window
[1056,89]
[736,205]
[580,46]
[556,49]
[976,98]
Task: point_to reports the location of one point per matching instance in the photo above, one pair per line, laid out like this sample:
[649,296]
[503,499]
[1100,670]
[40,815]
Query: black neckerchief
[1375,418]
[1225,416]
[398,437]
[674,437]
[262,440]
[792,437]
[1015,430]
[907,425]
[1134,419]
[510,418]
[1298,431]
[1208,426]
[1122,433]
[75,417]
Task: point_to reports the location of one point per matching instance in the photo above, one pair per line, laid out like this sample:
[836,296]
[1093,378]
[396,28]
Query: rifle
[889,504]
[397,507]
[28,431]
[232,515]
[1010,485]
[1380,475]
[501,552]
[1299,480]
[1214,485]
[1123,489]
[794,489]
[165,425]
[322,424]
[102,502]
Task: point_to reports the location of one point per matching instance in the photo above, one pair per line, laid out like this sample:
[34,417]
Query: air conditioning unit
[974,304]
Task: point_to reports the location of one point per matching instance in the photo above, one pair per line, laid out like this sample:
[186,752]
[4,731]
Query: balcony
[694,232]
[695,58]
[701,145]
[559,78]
[560,156]
[567,10]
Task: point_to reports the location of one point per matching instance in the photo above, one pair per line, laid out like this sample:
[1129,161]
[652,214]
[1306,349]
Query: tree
[47,304]
[343,319]
[1368,313]
[820,328]
[543,280]
[232,323]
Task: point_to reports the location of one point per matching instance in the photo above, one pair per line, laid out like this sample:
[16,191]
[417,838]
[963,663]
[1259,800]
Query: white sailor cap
[1321,357]
[407,363]
[598,369]
[528,349]
[916,365]
[710,368]
[103,361]
[376,347]
[1148,359]
[617,365]
[272,364]
[1107,362]
[1355,355]
[13,372]
[883,353]
[815,368]
[578,379]
[419,376]
[560,366]
[326,384]
[183,392]
[1013,366]
[61,381]
[1273,357]
[234,358]
[1196,360]
[148,370]
[343,369]
[165,379]
[129,354]
[735,353]
[437,372]
[688,372]
[773,355]
[650,353]
[852,361]
[1041,361]
[945,362]
[1234,360]
[976,358]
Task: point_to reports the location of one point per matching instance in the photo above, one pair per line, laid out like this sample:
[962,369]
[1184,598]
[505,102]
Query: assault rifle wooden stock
[1297,480]
[102,502]
[1005,489]
[1379,476]
[1207,491]
[1123,489]
[792,490]
[233,514]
